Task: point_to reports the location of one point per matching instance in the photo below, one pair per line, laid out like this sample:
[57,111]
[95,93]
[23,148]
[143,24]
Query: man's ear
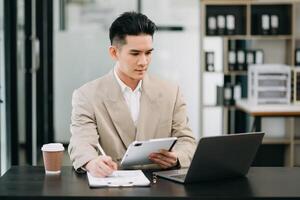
[113,51]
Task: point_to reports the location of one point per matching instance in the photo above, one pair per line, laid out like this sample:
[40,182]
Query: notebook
[218,157]
[120,178]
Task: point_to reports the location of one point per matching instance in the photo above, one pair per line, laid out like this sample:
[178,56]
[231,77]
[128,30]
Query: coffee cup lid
[53,147]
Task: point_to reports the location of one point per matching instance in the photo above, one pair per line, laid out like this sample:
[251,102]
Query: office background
[49,48]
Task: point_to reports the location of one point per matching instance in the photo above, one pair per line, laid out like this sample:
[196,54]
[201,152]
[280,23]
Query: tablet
[139,151]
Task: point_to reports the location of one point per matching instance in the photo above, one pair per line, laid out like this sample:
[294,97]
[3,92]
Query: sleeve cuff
[81,170]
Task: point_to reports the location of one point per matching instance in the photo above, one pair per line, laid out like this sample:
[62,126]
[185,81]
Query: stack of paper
[120,178]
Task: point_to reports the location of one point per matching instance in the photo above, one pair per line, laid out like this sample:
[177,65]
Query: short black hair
[130,23]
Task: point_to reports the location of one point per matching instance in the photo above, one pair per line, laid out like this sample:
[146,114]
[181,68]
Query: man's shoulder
[96,84]
[97,87]
[161,83]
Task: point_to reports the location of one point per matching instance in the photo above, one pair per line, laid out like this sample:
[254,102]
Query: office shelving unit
[296,91]
[248,33]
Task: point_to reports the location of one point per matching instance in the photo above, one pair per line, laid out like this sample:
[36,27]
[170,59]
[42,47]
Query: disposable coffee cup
[52,156]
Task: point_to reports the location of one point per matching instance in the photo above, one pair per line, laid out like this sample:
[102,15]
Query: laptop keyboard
[179,176]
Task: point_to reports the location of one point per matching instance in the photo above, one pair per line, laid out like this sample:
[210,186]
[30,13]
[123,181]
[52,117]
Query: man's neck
[132,83]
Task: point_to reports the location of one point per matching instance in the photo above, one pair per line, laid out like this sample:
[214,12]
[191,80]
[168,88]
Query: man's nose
[143,60]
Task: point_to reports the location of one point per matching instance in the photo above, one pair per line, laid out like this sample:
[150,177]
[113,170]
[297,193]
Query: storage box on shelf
[269,84]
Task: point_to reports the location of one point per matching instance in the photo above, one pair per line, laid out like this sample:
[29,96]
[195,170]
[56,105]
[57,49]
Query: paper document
[120,178]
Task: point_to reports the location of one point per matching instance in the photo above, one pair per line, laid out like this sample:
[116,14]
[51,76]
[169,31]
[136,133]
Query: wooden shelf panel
[232,107]
[215,72]
[269,140]
[254,37]
[259,2]
[245,2]
[271,37]
[222,2]
[236,73]
[297,141]
[212,106]
[233,37]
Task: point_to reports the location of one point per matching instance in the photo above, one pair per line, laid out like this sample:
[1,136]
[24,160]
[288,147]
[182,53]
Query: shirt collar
[123,86]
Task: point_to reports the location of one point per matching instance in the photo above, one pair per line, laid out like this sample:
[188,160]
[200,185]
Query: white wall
[79,58]
[177,53]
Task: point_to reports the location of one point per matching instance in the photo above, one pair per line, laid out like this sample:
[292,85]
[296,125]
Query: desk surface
[269,109]
[261,182]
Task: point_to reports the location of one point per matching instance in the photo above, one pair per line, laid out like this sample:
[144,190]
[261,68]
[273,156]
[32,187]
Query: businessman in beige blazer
[127,104]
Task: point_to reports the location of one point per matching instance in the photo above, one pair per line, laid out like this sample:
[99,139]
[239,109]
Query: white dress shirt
[132,97]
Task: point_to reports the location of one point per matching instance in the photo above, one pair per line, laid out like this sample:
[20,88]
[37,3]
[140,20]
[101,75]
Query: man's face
[134,57]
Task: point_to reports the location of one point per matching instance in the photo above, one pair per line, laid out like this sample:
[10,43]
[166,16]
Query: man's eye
[134,54]
[148,53]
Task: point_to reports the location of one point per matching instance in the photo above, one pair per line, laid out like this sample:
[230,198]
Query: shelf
[212,106]
[215,72]
[268,2]
[272,37]
[254,37]
[297,36]
[236,73]
[297,141]
[232,107]
[217,2]
[278,46]
[269,140]
[236,37]
[219,106]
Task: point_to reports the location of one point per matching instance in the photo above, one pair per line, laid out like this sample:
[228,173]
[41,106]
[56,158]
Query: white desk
[271,110]
[275,110]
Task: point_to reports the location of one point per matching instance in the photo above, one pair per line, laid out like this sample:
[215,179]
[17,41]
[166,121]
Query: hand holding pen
[101,166]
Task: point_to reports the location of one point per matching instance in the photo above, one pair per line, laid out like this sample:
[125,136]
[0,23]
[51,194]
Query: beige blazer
[100,114]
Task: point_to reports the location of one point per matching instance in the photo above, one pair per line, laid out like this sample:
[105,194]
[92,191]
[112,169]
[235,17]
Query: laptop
[218,157]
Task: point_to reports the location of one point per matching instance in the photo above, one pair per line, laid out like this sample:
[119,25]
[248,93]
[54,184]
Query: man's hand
[101,166]
[165,159]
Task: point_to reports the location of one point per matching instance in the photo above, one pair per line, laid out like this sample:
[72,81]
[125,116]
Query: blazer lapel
[119,112]
[149,111]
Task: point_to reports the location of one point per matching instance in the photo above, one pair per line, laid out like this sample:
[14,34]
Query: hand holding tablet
[165,159]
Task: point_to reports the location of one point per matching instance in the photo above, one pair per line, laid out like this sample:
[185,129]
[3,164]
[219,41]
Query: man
[127,105]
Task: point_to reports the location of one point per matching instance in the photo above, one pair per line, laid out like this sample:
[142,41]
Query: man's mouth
[140,70]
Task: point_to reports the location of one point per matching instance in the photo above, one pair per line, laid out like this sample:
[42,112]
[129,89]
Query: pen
[101,150]
[104,154]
